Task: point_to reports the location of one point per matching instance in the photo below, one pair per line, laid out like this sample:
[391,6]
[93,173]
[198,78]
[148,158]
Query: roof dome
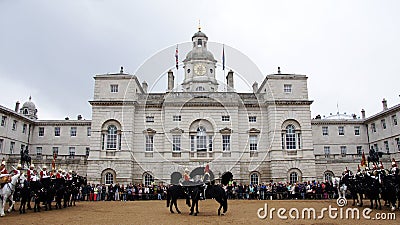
[339,117]
[199,34]
[200,53]
[29,104]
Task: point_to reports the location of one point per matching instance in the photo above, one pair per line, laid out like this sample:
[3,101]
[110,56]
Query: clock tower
[199,66]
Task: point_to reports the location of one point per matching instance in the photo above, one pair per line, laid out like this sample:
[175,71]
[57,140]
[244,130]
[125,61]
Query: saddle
[4,180]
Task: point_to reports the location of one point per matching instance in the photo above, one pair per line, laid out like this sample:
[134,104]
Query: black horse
[374,156]
[25,158]
[173,194]
[25,196]
[373,191]
[211,191]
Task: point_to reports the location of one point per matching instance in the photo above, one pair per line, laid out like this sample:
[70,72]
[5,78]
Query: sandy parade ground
[239,212]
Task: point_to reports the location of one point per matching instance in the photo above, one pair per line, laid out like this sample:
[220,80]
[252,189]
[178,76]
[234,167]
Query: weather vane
[199,26]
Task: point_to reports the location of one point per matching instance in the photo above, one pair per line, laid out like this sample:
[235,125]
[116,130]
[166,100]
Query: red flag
[363,161]
[176,57]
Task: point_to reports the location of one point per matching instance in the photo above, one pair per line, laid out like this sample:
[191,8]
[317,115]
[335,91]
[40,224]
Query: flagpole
[177,66]
[223,64]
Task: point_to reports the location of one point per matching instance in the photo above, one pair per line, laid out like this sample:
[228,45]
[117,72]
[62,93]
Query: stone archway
[198,173]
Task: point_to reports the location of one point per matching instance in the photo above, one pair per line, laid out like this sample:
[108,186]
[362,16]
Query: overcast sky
[349,50]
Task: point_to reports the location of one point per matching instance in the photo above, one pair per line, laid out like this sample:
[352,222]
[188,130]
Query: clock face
[199,69]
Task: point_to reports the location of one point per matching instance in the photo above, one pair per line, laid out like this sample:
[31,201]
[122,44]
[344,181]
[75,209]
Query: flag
[176,57]
[223,57]
[363,161]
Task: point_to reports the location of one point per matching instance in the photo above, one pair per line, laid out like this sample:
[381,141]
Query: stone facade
[141,137]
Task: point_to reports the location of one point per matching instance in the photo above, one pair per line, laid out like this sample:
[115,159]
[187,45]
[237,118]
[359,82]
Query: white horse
[341,188]
[7,192]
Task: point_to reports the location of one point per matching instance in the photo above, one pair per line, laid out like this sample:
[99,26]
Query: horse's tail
[168,197]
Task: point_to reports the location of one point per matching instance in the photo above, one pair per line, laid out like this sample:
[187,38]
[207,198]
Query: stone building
[140,137]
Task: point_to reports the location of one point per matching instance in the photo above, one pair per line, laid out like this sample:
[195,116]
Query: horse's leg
[197,207]
[2,205]
[176,206]
[192,207]
[220,206]
[11,198]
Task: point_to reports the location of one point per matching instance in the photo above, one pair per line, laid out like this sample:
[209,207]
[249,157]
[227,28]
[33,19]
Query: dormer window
[26,112]
[199,43]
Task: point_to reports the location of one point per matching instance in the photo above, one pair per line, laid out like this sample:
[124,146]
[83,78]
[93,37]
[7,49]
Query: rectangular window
[149,119]
[210,143]
[299,140]
[1,145]
[41,131]
[357,131]
[55,151]
[3,121]
[176,143]
[386,143]
[226,143]
[373,127]
[343,151]
[225,118]
[73,132]
[397,142]
[176,118]
[287,88]
[24,128]
[327,151]
[39,151]
[325,131]
[201,142]
[149,143]
[192,145]
[359,150]
[71,152]
[253,142]
[14,126]
[114,88]
[383,122]
[283,140]
[89,131]
[12,145]
[252,119]
[87,151]
[394,120]
[341,130]
[57,131]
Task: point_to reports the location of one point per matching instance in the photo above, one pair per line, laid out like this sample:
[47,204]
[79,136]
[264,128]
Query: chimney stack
[362,114]
[66,118]
[17,106]
[384,104]
[229,79]
[79,117]
[144,86]
[171,80]
[255,87]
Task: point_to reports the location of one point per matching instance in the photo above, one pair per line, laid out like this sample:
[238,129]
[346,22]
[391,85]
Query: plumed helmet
[380,165]
[59,170]
[394,163]
[70,171]
[32,166]
[19,166]
[63,171]
[3,163]
[44,167]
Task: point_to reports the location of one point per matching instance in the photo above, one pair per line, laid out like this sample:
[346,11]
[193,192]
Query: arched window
[112,137]
[291,137]
[200,88]
[254,179]
[293,178]
[201,139]
[148,179]
[328,176]
[109,178]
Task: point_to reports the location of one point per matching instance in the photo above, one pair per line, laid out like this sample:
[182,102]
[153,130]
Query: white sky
[350,50]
